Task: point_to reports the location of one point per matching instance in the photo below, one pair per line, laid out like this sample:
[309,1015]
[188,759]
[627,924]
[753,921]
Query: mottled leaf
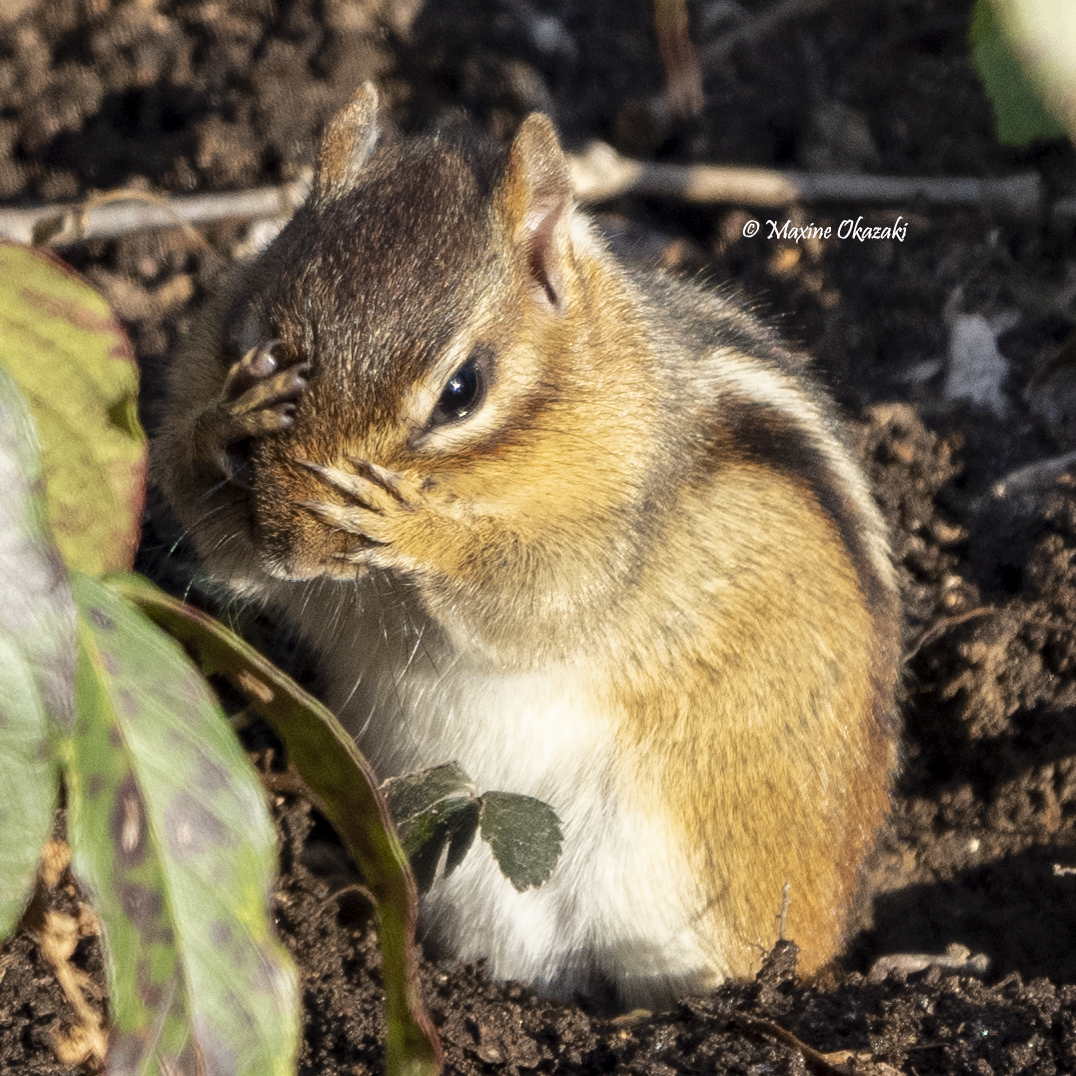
[524,835]
[1010,69]
[462,828]
[37,648]
[416,799]
[343,788]
[170,833]
[73,362]
[432,809]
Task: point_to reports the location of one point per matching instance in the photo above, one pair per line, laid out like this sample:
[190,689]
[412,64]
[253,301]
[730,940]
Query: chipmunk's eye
[462,395]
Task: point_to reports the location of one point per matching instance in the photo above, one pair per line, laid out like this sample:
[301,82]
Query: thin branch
[601,173]
[956,958]
[683,75]
[940,627]
[121,212]
[674,102]
[598,175]
[814,1061]
[1034,476]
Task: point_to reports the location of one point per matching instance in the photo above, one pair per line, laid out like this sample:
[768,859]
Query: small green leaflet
[524,835]
[433,809]
[438,808]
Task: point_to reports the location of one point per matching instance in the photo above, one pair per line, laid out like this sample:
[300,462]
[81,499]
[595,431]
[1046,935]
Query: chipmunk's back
[586,530]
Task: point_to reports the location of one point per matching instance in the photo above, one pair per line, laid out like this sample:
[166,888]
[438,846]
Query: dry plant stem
[942,626]
[1034,476]
[684,96]
[814,1061]
[840,1063]
[956,958]
[598,175]
[601,173]
[87,1042]
[683,75]
[125,212]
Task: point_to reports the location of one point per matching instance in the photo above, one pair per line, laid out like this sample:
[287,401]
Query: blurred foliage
[167,821]
[1025,53]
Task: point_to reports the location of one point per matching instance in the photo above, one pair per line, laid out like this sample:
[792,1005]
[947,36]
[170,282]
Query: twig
[958,958]
[601,173]
[841,1063]
[943,625]
[122,212]
[598,174]
[683,97]
[683,75]
[813,1059]
[57,935]
[1035,475]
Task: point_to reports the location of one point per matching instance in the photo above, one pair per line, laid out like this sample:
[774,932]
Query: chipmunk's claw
[369,486]
[343,518]
[393,483]
[376,503]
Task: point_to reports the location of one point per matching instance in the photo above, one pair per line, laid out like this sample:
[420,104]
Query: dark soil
[183,96]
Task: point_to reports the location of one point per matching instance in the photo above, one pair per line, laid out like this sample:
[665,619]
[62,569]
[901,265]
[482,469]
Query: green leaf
[1043,36]
[455,828]
[343,788]
[414,794]
[170,833]
[433,808]
[462,827]
[419,801]
[73,362]
[37,648]
[524,835]
[1019,112]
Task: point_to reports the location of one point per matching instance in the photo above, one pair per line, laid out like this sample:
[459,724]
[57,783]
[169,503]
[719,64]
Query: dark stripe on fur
[773,437]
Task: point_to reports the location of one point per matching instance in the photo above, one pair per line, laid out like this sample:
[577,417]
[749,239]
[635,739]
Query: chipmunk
[583,528]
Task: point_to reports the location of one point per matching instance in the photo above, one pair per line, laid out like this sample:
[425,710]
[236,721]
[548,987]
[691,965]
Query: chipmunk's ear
[348,143]
[534,200]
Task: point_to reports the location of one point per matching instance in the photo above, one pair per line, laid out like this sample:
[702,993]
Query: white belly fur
[618,908]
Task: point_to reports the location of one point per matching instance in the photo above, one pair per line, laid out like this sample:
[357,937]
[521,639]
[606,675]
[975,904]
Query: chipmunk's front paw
[376,507]
[259,393]
[258,397]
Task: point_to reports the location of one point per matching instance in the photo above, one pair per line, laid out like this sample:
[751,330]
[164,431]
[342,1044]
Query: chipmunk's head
[432,285]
